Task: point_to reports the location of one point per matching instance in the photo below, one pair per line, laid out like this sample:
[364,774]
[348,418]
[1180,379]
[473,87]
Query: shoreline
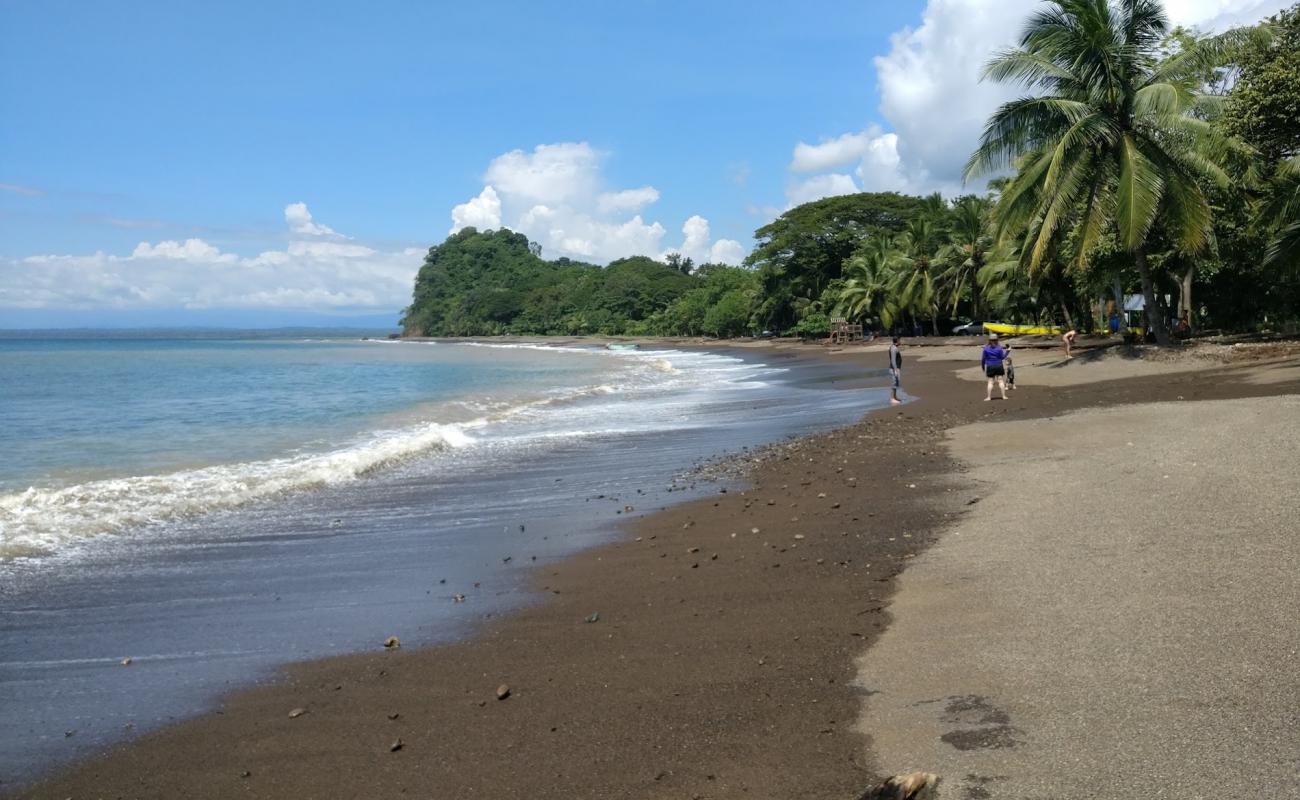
[726,676]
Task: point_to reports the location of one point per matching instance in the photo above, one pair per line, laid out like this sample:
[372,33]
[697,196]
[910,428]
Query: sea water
[213,506]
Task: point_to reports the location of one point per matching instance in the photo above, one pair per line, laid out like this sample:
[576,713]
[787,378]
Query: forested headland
[1141,160]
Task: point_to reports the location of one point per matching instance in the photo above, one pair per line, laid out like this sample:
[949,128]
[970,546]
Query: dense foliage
[496,282]
[1141,159]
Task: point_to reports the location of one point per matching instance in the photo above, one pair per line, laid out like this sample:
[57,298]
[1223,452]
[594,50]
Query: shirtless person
[1068,339]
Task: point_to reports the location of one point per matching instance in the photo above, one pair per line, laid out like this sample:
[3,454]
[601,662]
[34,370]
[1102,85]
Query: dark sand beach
[709,653]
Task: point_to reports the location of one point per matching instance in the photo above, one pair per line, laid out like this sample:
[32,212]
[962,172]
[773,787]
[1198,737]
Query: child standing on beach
[1011,368]
[895,370]
[991,359]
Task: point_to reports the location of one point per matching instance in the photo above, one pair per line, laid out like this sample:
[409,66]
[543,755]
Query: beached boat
[1003,329]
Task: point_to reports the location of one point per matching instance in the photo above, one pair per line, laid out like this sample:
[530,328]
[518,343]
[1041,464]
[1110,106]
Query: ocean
[214,505]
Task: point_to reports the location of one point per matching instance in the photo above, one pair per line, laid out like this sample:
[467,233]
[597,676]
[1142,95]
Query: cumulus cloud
[699,246]
[300,222]
[482,212]
[556,195]
[935,103]
[819,186]
[309,273]
[627,200]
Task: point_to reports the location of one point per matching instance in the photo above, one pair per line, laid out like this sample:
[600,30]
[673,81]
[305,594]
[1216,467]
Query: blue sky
[153,152]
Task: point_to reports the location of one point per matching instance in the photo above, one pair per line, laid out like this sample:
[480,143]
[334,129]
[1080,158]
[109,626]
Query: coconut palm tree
[1114,135]
[970,240]
[866,292]
[1281,212]
[914,285]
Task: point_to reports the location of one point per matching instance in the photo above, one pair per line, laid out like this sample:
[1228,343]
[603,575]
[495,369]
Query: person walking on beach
[992,361]
[1068,340]
[895,371]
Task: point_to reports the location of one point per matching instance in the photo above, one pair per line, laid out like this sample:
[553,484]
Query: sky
[260,164]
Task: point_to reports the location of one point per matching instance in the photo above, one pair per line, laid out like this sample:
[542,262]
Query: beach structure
[844,331]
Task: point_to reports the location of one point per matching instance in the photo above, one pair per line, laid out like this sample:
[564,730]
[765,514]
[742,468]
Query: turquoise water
[106,434]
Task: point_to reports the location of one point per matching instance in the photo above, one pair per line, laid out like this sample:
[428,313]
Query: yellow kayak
[1020,330]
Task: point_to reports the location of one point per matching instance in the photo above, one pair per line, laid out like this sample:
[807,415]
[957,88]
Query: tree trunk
[1155,320]
[974,295]
[1119,306]
[1069,321]
[1185,309]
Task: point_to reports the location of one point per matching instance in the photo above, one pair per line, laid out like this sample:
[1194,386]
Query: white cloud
[627,200]
[556,195]
[300,221]
[553,173]
[929,81]
[932,97]
[727,251]
[819,186]
[307,274]
[831,153]
[482,212]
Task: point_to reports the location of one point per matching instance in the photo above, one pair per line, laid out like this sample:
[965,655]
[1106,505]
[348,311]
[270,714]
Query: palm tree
[1115,136]
[1281,213]
[969,242]
[913,285]
[866,291]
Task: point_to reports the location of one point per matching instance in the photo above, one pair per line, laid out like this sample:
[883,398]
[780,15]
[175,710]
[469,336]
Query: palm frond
[1137,196]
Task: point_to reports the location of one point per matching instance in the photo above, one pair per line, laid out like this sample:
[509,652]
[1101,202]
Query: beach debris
[458,598]
[70,734]
[912,786]
[392,642]
[245,774]
[126,662]
[627,509]
[753,530]
[503,692]
[835,505]
[821,494]
[394,715]
[297,712]
[692,549]
[507,559]
[798,536]
[395,746]
[593,617]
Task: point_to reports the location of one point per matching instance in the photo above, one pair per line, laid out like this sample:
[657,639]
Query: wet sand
[716,665]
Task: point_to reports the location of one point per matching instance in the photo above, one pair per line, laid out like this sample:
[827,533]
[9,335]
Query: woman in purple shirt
[991,360]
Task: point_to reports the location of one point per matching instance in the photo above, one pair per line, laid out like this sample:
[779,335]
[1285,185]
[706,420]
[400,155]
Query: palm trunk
[1155,320]
[1185,294]
[1069,321]
[1119,306]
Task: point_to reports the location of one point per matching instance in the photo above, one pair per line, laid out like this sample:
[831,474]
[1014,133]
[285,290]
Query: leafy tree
[1115,137]
[866,291]
[798,254]
[1264,107]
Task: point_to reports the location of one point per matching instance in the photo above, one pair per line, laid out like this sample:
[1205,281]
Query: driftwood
[913,786]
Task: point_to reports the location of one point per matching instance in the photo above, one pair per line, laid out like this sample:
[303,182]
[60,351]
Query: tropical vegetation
[1140,160]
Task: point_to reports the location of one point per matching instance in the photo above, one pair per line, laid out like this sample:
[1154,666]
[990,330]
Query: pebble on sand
[297,712]
[395,746]
[503,692]
[593,617]
[392,642]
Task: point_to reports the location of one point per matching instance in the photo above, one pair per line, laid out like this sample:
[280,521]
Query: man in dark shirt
[896,370]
